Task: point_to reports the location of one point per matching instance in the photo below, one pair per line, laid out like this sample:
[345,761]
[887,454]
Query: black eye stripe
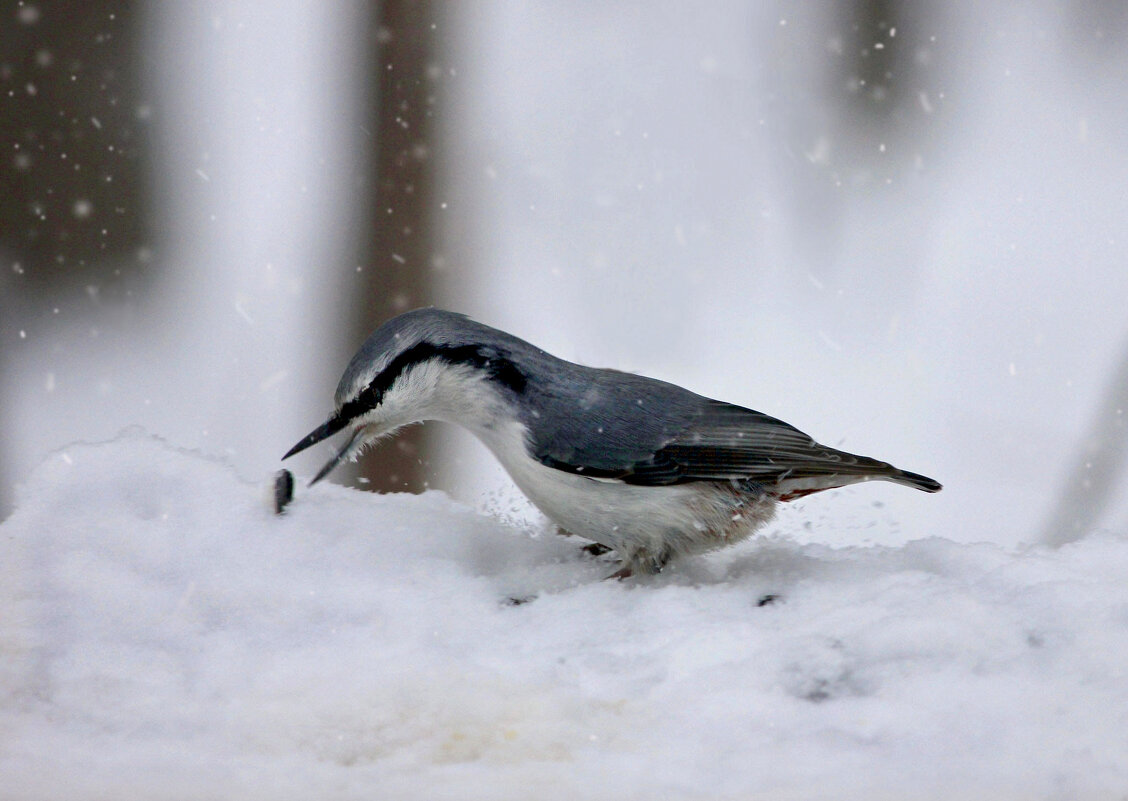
[496,365]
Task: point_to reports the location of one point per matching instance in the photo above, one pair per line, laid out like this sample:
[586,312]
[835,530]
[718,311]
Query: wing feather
[727,442]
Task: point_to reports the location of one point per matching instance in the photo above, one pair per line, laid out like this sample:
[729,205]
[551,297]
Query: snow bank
[165,636]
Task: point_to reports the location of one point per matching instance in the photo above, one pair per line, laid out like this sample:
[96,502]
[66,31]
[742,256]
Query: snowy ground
[165,636]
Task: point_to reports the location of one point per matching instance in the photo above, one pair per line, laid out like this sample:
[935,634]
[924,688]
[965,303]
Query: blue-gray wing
[697,439]
[731,442]
[603,423]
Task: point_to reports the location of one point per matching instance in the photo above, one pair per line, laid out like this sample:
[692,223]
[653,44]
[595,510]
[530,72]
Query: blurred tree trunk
[886,66]
[71,131]
[73,221]
[1097,467]
[395,270]
[878,70]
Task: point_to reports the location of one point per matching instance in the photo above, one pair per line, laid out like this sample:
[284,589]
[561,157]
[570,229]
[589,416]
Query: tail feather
[799,483]
[914,480]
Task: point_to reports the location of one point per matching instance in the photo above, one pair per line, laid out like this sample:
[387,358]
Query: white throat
[449,393]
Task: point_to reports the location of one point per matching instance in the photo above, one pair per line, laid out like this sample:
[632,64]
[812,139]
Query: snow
[166,636]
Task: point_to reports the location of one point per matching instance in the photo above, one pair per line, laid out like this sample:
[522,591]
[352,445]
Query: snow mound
[165,635]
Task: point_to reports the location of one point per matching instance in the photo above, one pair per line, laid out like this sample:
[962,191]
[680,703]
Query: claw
[623,572]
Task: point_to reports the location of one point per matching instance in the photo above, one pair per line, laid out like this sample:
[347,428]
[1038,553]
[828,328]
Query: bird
[645,468]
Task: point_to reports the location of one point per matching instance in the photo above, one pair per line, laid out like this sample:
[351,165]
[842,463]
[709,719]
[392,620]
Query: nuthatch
[638,465]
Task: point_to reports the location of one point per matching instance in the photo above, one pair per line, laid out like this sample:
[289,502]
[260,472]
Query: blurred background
[898,226]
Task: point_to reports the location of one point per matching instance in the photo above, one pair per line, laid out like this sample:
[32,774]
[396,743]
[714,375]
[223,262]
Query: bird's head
[426,364]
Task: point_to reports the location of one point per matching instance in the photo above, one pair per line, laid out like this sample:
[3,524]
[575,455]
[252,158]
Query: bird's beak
[328,429]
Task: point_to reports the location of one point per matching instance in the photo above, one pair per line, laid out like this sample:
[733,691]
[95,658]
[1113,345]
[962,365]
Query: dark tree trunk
[397,265]
[73,127]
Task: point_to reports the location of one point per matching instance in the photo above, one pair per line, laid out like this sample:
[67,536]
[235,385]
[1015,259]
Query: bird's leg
[591,549]
[643,562]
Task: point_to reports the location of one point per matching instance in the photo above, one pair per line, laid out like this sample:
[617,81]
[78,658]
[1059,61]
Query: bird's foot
[641,564]
[624,572]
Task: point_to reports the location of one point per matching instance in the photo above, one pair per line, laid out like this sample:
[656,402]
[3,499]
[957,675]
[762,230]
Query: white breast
[640,523]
